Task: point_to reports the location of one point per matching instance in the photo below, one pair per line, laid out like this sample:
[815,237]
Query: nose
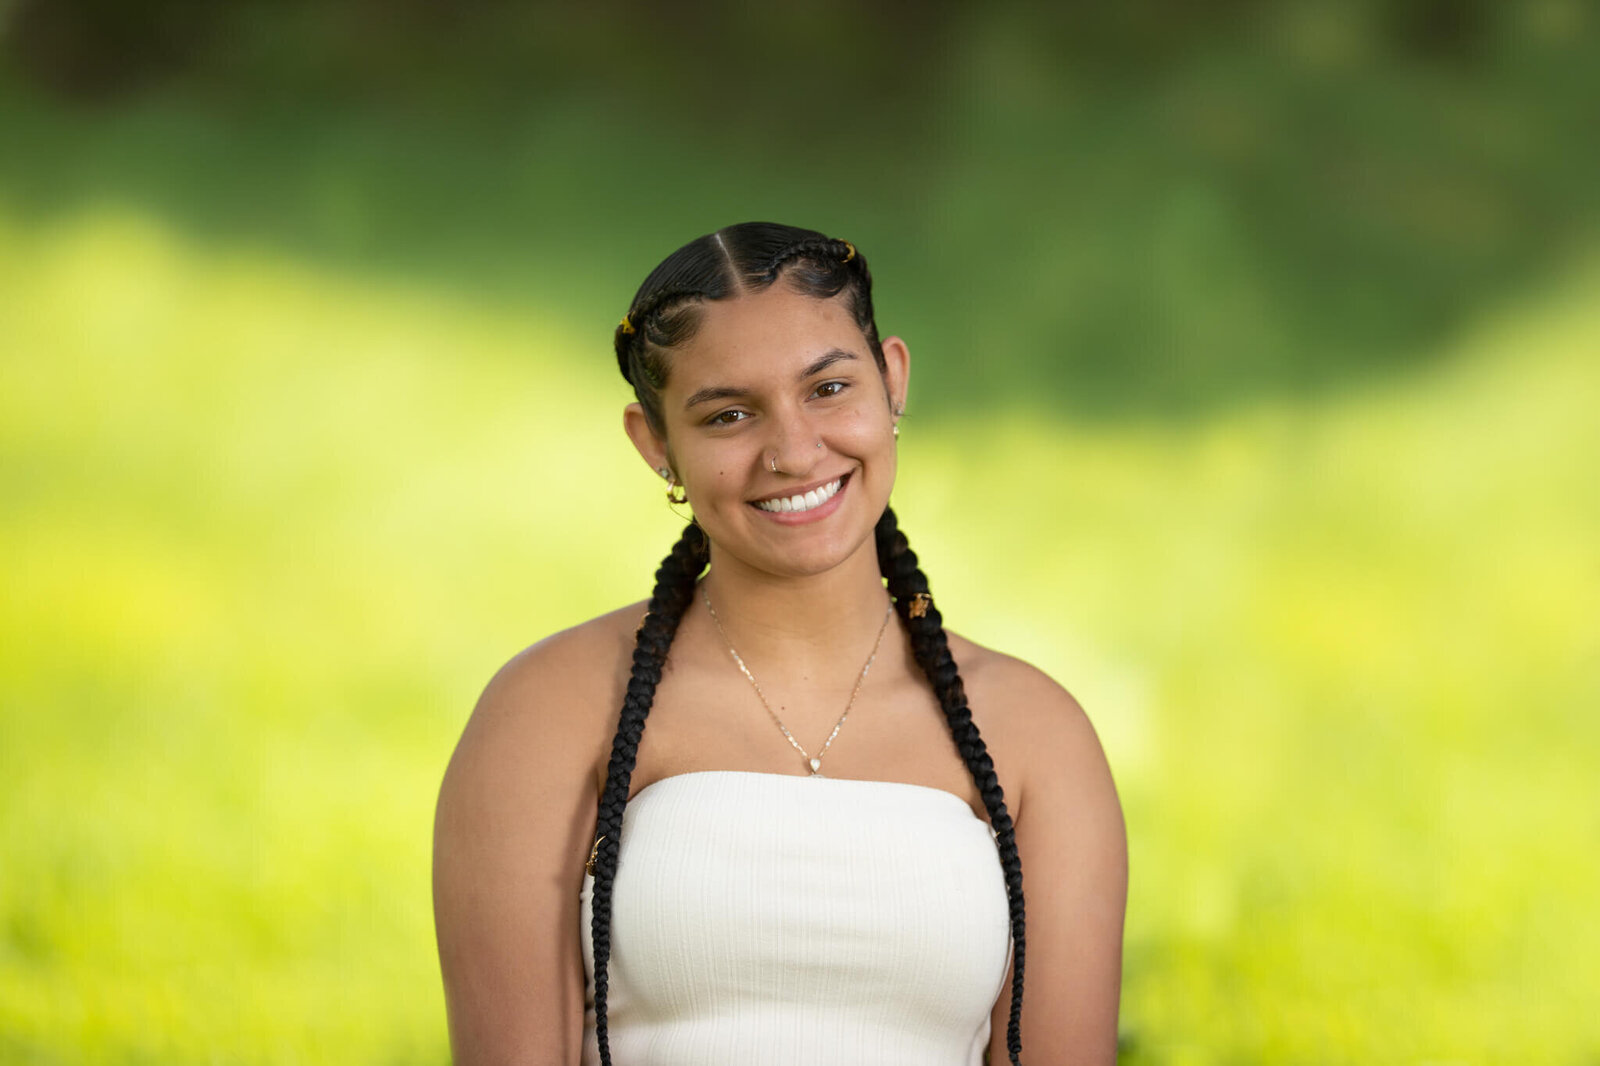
[794,446]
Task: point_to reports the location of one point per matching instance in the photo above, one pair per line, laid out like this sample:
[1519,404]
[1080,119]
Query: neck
[799,622]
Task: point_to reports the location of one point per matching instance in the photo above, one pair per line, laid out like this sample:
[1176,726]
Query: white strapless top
[768,919]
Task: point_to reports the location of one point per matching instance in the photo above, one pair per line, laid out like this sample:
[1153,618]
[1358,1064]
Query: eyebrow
[726,392]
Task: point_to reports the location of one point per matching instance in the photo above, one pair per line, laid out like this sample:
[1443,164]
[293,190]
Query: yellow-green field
[267,528]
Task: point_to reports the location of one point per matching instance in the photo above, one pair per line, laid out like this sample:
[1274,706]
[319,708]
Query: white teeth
[814,498]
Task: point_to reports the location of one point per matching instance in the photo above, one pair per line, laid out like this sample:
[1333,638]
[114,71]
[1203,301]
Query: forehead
[775,331]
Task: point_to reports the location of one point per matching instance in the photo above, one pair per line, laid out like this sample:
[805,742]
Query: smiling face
[778,378]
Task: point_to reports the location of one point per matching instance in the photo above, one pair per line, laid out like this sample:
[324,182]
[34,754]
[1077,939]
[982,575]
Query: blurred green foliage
[1137,210]
[1255,392]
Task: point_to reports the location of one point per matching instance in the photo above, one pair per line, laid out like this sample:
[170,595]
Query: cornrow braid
[931,648]
[650,326]
[823,250]
[673,593]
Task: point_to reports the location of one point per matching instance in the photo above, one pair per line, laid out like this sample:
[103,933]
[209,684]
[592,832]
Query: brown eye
[830,388]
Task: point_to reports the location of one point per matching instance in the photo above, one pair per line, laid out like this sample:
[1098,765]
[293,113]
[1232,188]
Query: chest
[708,716]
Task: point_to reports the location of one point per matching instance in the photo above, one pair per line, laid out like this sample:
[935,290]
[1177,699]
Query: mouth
[800,502]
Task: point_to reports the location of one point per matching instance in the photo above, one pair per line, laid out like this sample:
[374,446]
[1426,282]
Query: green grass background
[299,440]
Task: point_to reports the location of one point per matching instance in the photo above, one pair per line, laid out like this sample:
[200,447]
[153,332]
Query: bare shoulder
[558,676]
[1040,737]
[511,834]
[540,729]
[1011,697]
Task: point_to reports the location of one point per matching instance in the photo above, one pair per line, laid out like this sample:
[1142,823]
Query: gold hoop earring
[676,493]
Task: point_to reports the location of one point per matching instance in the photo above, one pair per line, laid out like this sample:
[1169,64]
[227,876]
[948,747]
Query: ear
[650,446]
[897,371]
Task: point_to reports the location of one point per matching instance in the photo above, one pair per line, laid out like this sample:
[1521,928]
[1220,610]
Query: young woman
[776,814]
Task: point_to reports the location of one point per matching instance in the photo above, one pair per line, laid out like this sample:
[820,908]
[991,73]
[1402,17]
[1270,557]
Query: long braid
[673,593]
[931,649]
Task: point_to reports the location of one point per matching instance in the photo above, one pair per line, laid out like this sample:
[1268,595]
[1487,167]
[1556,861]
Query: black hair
[749,258]
[739,259]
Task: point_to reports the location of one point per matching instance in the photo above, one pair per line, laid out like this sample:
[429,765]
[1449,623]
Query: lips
[802,501]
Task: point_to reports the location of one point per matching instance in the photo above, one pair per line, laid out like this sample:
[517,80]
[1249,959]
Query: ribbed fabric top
[763,918]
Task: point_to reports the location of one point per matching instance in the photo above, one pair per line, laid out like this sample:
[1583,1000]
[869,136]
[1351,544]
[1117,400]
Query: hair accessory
[626,326]
[849,252]
[594,853]
[813,761]
[920,604]
[676,493]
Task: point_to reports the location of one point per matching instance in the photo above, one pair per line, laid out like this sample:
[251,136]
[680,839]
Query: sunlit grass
[267,530]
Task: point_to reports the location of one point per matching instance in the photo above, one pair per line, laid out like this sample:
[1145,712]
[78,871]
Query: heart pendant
[816,766]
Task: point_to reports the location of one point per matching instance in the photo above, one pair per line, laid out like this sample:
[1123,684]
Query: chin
[811,563]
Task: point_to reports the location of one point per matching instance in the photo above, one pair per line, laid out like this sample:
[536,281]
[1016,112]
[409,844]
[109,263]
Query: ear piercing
[676,493]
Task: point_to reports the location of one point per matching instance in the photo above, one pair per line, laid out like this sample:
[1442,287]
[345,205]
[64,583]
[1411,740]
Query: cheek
[718,474]
[863,428]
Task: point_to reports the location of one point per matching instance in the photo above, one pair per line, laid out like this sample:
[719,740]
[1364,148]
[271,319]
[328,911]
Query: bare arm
[1073,846]
[510,838]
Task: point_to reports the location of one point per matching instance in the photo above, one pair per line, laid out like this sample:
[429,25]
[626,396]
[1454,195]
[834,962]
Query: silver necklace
[813,761]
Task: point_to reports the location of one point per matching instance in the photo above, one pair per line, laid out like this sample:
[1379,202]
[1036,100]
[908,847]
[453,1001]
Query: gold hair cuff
[920,604]
[626,326]
[594,853]
[849,253]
